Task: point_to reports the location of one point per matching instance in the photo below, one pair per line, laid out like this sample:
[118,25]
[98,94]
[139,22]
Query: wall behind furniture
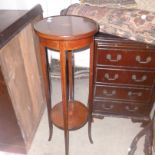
[50,7]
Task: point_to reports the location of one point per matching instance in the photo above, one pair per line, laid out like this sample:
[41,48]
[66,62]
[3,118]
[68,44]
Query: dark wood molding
[18,23]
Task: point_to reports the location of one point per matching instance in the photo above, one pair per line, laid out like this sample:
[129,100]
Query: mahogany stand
[65,34]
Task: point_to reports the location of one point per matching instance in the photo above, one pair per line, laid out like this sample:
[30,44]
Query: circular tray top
[66,27]
[77,115]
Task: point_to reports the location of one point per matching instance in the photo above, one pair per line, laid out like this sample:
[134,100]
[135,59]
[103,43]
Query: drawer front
[121,108]
[123,93]
[121,76]
[124,58]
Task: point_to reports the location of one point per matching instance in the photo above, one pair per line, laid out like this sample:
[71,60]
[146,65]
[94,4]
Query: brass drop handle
[130,93]
[109,78]
[108,107]
[143,78]
[132,109]
[138,59]
[105,92]
[118,58]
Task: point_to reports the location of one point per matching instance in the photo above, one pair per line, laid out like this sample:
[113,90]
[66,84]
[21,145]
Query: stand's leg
[148,147]
[148,141]
[90,97]
[45,71]
[49,116]
[71,75]
[64,86]
[49,107]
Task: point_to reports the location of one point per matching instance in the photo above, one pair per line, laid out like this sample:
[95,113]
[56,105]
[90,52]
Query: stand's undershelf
[77,115]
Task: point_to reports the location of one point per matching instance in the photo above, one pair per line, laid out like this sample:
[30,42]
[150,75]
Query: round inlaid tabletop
[66,27]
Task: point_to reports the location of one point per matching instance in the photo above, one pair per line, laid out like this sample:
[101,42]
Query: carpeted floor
[111,136]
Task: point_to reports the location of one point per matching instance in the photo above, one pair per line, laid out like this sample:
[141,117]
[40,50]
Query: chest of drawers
[124,78]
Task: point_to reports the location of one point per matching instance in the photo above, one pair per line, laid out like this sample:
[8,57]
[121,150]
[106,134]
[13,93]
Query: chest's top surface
[66,27]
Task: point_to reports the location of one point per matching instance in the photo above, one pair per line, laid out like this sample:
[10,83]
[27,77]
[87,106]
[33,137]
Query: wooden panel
[27,43]
[20,69]
[15,77]
[22,99]
[9,130]
[2,83]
